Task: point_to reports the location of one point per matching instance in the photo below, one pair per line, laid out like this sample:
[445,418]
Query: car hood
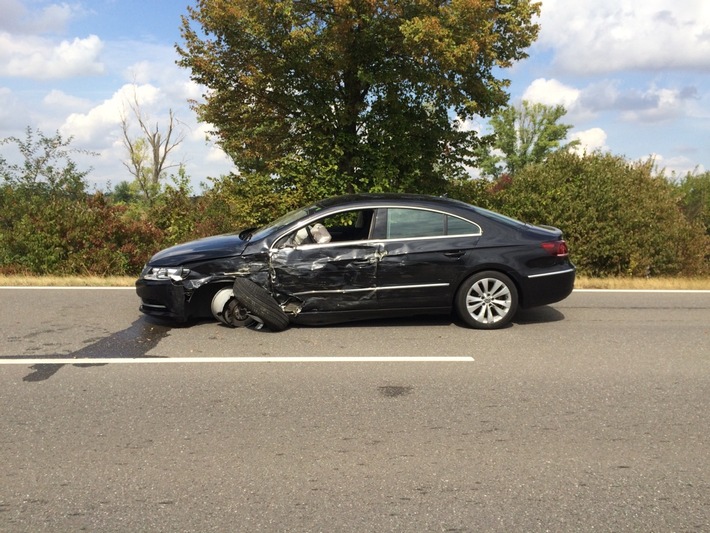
[200,250]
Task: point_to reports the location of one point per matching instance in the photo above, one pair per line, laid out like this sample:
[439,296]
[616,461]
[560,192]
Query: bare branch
[148,155]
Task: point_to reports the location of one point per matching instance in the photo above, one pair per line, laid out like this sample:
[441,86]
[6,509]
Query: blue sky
[633,75]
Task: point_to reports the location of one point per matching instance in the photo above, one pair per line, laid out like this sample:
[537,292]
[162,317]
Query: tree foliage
[695,194]
[50,224]
[522,135]
[352,94]
[46,165]
[619,217]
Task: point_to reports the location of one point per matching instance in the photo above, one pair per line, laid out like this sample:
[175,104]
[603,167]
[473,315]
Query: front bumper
[164,299]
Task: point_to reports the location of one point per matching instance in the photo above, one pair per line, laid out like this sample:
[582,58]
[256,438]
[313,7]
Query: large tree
[352,95]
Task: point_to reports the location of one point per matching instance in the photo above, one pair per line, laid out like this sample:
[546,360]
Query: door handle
[368,261]
[455,255]
[376,257]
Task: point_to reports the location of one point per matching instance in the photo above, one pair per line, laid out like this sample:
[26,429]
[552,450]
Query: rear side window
[459,226]
[413,223]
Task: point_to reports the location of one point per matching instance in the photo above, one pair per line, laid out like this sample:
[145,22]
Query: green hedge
[618,217]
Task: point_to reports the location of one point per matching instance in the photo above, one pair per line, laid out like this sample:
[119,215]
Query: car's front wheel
[487,300]
[259,302]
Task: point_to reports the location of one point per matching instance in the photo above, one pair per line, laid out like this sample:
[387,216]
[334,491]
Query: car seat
[317,233]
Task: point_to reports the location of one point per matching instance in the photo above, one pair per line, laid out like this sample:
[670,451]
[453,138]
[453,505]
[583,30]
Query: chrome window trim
[311,246]
[319,215]
[480,230]
[433,237]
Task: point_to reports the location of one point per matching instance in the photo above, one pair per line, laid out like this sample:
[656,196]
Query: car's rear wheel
[487,300]
[260,303]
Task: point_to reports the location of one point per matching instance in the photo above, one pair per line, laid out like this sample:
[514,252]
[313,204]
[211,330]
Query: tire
[487,300]
[257,300]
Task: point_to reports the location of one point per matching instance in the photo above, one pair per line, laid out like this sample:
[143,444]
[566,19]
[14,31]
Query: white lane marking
[668,291]
[181,360]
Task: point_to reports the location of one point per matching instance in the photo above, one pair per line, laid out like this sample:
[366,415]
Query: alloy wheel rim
[488,301]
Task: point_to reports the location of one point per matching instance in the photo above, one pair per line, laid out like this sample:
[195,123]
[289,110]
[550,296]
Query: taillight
[556,248]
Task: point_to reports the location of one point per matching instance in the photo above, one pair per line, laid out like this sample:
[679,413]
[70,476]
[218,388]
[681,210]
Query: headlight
[163,273]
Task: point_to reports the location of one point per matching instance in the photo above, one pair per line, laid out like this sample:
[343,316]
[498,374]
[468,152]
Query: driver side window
[346,226]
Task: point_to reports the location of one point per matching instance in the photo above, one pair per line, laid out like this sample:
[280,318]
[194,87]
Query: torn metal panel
[327,276]
[292,306]
[254,267]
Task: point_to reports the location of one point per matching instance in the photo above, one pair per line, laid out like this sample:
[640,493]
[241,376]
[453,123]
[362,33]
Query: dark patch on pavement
[132,342]
[392,391]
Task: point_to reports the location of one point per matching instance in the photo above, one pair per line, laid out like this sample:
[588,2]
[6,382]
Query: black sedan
[361,257]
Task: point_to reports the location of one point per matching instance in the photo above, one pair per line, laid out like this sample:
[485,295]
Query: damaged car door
[328,265]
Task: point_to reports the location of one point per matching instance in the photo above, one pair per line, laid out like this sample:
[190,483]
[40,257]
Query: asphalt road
[589,415]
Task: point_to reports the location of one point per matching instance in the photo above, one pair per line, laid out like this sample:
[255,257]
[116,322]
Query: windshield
[284,221]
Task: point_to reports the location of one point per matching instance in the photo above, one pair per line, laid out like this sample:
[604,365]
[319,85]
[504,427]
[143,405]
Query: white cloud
[201,132]
[102,121]
[217,155]
[654,104]
[99,129]
[191,90]
[59,100]
[162,71]
[590,140]
[13,112]
[200,135]
[44,41]
[143,72]
[12,14]
[601,36]
[7,101]
[41,59]
[17,18]
[552,92]
[54,17]
[678,166]
[657,105]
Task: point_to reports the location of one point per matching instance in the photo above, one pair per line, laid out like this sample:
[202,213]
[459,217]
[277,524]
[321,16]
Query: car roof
[442,203]
[389,198]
